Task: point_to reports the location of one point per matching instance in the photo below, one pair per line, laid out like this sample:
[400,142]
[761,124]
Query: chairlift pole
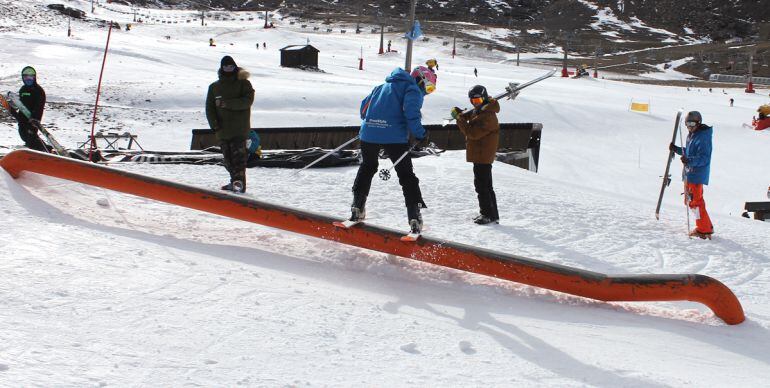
[454,42]
[409,42]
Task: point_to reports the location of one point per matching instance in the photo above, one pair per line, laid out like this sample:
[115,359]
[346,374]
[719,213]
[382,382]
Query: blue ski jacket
[392,110]
[698,153]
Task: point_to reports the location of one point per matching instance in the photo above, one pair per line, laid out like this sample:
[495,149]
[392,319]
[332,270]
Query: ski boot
[239,187]
[484,220]
[358,208]
[415,218]
[234,186]
[704,236]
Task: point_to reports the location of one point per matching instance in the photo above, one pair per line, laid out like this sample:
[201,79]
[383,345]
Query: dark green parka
[232,119]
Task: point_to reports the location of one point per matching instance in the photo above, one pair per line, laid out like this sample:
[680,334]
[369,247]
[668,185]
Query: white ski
[12,101]
[513,88]
[346,224]
[411,237]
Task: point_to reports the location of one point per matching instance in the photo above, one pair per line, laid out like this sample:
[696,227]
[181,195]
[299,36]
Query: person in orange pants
[696,158]
[703,226]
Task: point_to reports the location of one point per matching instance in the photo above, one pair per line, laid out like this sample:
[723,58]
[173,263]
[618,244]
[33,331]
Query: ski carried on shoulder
[12,102]
[512,89]
[666,174]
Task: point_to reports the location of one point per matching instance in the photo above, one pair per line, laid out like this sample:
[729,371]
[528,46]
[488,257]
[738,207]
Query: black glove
[672,147]
[685,161]
[422,142]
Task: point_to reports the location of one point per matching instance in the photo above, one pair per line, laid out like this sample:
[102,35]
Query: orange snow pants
[698,207]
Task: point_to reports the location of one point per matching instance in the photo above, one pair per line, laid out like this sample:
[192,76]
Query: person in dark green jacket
[228,110]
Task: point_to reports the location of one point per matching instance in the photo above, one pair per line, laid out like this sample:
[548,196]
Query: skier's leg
[227,161]
[367,169]
[494,215]
[410,184]
[481,176]
[240,156]
[31,139]
[698,204]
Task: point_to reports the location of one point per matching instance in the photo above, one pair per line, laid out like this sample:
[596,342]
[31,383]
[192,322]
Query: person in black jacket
[33,97]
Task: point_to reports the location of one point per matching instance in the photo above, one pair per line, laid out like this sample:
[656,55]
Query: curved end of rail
[717,296]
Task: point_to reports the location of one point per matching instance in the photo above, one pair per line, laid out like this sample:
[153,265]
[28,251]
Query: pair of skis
[409,237]
[512,90]
[12,103]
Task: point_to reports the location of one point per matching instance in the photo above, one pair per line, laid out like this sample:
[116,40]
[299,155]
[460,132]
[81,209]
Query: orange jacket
[761,124]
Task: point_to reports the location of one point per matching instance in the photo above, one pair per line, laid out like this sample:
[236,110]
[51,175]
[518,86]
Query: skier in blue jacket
[390,113]
[696,158]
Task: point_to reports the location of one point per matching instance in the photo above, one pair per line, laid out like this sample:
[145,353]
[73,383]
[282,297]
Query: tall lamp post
[409,29]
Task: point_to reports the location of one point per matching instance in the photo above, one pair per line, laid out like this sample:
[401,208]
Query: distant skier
[696,158]
[389,114]
[732,101]
[482,131]
[763,121]
[475,72]
[33,97]
[228,110]
[264,45]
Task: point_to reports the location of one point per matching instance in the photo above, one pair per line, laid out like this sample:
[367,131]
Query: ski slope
[105,289]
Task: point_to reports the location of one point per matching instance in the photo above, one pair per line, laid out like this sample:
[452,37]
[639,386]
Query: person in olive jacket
[481,130]
[32,96]
[228,110]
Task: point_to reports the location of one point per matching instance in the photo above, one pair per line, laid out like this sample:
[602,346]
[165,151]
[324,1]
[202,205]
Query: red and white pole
[98,92]
[750,84]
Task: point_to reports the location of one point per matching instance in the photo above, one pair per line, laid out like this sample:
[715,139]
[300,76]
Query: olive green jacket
[231,120]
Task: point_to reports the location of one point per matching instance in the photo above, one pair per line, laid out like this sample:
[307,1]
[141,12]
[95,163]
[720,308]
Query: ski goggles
[477,100]
[228,68]
[691,124]
[28,78]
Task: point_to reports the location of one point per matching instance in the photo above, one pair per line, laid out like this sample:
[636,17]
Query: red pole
[98,92]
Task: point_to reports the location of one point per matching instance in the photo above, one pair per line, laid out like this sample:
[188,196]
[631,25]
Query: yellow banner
[640,107]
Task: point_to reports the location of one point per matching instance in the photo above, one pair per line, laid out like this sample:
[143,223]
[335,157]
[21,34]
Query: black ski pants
[482,180]
[32,140]
[370,153]
[235,156]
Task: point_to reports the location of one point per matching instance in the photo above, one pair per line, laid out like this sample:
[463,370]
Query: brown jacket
[482,133]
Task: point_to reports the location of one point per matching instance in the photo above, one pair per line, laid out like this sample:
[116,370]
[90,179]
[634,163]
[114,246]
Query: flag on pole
[415,33]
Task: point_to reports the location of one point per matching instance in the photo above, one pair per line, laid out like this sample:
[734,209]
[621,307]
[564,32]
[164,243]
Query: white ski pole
[326,155]
[385,174]
[686,189]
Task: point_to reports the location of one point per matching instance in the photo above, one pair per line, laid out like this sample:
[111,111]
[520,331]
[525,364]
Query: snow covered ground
[104,289]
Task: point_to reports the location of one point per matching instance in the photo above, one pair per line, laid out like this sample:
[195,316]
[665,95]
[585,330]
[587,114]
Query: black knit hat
[227,60]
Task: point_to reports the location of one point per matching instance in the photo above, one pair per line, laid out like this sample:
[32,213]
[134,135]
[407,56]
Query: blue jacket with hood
[392,110]
[698,153]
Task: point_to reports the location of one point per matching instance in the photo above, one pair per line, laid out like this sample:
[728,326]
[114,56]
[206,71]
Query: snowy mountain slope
[142,293]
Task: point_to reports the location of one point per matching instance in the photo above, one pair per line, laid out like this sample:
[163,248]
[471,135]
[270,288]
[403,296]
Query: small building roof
[299,47]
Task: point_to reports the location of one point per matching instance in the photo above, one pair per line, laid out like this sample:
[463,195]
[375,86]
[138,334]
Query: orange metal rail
[696,288]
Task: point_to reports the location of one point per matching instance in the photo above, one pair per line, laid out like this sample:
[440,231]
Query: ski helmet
[425,76]
[431,63]
[29,76]
[693,116]
[478,91]
[29,70]
[764,110]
